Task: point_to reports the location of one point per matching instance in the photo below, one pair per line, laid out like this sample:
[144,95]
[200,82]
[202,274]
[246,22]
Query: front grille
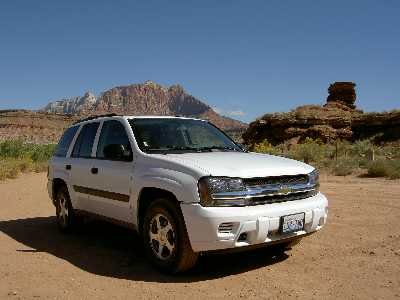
[276,180]
[281,198]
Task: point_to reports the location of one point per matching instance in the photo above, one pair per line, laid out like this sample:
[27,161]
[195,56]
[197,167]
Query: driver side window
[114,142]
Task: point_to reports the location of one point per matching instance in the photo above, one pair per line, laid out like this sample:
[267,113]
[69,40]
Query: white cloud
[232,113]
[217,110]
[236,113]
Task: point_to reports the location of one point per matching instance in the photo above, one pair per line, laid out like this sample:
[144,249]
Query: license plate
[292,223]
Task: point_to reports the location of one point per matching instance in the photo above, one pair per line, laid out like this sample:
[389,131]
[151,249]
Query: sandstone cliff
[36,127]
[338,119]
[148,98]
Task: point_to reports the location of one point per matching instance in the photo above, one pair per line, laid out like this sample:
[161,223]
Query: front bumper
[250,225]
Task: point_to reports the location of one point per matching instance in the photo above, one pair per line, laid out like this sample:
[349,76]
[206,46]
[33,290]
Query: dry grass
[384,168]
[17,156]
[343,159]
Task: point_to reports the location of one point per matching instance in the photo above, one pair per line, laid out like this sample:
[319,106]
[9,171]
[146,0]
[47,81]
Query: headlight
[313,178]
[218,185]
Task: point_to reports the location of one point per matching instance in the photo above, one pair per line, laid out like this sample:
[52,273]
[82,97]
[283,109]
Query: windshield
[163,135]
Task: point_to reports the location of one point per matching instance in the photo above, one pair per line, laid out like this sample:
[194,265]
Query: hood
[239,164]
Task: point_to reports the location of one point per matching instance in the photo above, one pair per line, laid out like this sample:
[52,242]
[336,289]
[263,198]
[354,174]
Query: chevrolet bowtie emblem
[285,190]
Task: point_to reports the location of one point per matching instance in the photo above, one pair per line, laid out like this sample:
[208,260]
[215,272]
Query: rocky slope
[36,127]
[148,98]
[338,119]
[72,106]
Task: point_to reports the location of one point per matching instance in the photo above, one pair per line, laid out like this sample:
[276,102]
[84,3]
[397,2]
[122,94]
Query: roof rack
[95,117]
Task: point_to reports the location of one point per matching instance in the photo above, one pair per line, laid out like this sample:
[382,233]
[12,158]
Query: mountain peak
[148,98]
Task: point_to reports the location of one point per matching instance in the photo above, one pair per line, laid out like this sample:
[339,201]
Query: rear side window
[113,133]
[85,140]
[65,142]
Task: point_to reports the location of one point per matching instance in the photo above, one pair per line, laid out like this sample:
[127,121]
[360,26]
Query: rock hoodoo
[338,119]
[343,93]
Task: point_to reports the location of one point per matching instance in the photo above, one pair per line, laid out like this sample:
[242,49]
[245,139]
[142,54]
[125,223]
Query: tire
[65,214]
[165,238]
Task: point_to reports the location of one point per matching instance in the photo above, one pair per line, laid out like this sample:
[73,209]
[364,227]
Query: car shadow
[108,250]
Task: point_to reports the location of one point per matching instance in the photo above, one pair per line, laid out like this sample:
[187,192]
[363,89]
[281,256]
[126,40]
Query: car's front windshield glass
[177,135]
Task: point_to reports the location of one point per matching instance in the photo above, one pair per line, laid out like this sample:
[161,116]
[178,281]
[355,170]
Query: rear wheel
[165,238]
[66,218]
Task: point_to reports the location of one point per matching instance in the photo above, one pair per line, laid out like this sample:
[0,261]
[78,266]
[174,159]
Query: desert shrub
[11,168]
[12,148]
[343,169]
[343,158]
[391,152]
[266,147]
[384,168]
[310,151]
[42,153]
[377,168]
[363,148]
[39,167]
[20,149]
[17,157]
[394,169]
[340,149]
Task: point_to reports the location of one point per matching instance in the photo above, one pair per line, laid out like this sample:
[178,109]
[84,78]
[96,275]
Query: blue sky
[245,58]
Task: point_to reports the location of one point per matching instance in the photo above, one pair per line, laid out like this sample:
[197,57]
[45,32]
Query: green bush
[310,151]
[343,169]
[11,167]
[266,147]
[41,153]
[363,148]
[394,169]
[12,149]
[384,168]
[17,156]
[343,158]
[20,149]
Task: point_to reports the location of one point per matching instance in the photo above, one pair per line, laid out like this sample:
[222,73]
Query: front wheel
[165,237]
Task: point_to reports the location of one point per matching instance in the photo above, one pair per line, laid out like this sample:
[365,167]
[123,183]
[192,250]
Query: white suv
[184,185]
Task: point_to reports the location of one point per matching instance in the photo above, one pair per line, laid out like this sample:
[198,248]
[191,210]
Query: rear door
[80,164]
[111,180]
[60,164]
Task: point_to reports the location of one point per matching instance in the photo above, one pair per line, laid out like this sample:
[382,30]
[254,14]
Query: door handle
[94,170]
[68,167]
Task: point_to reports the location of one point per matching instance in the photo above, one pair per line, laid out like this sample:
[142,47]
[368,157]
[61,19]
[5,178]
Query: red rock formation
[336,120]
[148,98]
[342,92]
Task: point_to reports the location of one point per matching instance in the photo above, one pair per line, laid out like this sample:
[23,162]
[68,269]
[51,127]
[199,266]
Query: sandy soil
[357,255]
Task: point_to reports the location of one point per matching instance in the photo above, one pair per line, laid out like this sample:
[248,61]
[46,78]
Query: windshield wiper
[217,148]
[165,149]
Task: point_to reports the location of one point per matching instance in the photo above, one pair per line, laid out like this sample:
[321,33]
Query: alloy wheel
[162,236]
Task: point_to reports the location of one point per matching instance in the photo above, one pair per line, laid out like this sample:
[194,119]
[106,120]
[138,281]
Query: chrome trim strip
[265,191]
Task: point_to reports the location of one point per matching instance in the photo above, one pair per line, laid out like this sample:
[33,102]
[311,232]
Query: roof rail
[95,117]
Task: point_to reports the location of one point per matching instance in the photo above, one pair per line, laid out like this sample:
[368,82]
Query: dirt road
[357,255]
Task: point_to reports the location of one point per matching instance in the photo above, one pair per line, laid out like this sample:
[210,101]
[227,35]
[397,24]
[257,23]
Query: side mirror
[117,152]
